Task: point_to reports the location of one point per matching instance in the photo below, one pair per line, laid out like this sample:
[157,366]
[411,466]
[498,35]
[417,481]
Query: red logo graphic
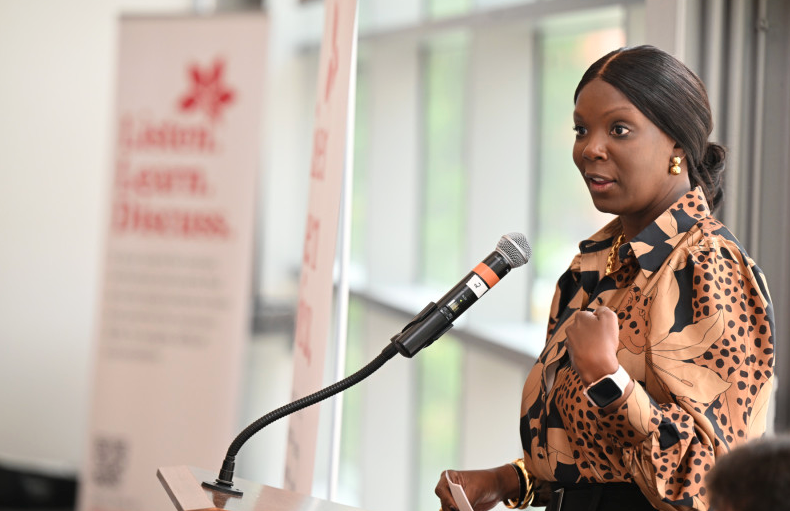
[208,94]
[319,154]
[310,254]
[334,58]
[304,318]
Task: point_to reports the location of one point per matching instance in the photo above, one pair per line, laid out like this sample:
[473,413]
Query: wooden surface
[183,485]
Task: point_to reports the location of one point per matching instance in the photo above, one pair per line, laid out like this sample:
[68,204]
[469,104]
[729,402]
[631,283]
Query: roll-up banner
[326,185]
[173,319]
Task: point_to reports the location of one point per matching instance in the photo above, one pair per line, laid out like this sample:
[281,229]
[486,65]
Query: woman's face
[624,158]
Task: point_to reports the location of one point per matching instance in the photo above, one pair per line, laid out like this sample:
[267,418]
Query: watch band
[619,378]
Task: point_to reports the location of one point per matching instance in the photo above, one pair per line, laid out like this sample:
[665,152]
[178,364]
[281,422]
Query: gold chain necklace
[613,253]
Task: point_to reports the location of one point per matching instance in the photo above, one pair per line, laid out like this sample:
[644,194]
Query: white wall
[57,92]
[57,68]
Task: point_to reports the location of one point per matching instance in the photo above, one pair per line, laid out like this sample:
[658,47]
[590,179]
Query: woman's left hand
[592,342]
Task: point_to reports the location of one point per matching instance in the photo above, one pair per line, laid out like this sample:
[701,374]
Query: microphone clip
[428,325]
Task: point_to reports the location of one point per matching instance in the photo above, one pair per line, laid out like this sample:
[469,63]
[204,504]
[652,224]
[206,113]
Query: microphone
[436,319]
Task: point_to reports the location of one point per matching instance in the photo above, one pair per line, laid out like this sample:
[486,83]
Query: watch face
[604,392]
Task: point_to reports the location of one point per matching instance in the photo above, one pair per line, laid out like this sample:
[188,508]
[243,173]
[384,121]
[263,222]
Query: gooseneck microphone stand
[427,326]
[224,481]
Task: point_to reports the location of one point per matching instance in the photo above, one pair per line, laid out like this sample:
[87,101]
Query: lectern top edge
[184,489]
[183,486]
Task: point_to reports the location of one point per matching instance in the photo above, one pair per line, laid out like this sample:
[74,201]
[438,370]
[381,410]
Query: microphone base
[223,487]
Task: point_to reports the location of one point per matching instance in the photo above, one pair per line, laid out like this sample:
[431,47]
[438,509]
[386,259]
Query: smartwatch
[608,389]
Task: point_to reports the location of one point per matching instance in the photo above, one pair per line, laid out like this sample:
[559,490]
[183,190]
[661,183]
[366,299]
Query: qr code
[110,456]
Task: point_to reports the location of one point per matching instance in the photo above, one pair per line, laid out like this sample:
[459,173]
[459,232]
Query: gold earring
[675,168]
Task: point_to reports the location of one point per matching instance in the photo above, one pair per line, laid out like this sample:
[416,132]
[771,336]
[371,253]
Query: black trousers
[598,497]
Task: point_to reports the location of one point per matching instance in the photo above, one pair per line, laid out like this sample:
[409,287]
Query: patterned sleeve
[708,373]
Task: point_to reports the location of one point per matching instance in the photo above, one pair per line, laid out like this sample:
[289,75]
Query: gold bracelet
[527,491]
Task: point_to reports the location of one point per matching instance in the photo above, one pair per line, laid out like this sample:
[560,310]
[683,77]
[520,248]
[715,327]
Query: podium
[183,485]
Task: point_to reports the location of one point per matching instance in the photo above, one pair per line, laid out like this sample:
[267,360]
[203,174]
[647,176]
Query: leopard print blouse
[696,335]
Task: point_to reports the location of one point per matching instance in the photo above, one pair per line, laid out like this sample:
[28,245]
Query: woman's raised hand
[592,342]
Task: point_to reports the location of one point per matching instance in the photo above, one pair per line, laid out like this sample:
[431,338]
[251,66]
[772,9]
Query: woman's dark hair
[675,100]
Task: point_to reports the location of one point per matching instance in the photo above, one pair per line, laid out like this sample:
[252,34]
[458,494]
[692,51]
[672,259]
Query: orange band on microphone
[487,274]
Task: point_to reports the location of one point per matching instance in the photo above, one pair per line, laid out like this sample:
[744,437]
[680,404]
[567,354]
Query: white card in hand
[459,495]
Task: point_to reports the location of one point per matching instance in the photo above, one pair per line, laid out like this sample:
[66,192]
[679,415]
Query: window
[439,400]
[459,132]
[361,149]
[440,8]
[462,134]
[567,48]
[443,193]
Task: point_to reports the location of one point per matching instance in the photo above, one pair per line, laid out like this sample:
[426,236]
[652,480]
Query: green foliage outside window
[444,216]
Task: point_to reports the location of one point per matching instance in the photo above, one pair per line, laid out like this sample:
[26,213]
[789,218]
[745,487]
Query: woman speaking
[659,351]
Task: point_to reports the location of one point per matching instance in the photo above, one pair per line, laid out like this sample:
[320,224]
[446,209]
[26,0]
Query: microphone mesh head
[514,247]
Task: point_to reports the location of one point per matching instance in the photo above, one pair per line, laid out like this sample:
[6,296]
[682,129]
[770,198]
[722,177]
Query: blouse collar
[656,241]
